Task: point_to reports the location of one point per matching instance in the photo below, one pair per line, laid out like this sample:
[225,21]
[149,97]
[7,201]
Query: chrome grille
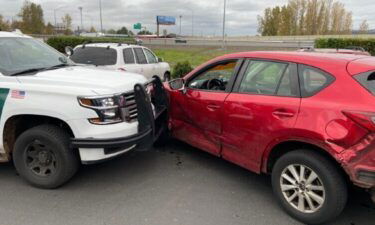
[129,111]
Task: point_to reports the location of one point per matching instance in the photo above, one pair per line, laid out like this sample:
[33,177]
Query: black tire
[332,180]
[167,77]
[46,147]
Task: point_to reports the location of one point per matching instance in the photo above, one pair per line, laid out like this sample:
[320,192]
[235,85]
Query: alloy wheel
[302,188]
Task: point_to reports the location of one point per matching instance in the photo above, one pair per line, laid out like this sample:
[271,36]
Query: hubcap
[40,159]
[302,188]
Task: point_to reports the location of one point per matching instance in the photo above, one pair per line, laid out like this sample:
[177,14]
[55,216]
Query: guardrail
[239,41]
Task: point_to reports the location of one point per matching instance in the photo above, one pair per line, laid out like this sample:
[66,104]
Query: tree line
[30,20]
[306,17]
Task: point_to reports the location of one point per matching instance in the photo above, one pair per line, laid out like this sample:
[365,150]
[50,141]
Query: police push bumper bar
[150,125]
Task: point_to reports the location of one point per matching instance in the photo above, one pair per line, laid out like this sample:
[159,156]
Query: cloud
[206,14]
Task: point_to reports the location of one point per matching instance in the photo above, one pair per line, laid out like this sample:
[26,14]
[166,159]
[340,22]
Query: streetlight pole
[180,23]
[225,5]
[101,19]
[192,23]
[54,14]
[80,10]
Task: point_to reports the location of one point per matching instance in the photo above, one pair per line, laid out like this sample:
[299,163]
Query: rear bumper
[359,162]
[150,126]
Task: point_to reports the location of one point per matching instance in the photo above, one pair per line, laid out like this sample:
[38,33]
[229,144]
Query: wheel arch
[277,150]
[17,124]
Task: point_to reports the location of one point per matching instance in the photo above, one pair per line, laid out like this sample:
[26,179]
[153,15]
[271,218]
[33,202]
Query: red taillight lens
[122,69]
[364,119]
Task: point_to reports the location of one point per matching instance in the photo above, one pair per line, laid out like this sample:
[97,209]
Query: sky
[207,14]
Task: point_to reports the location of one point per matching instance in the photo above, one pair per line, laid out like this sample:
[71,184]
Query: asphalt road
[176,185]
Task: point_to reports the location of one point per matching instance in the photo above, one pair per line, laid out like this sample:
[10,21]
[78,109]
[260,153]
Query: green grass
[196,56]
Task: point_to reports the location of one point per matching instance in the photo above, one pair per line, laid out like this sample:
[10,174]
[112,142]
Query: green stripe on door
[3,96]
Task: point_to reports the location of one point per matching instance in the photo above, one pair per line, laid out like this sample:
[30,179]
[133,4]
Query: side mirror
[177,84]
[69,51]
[160,60]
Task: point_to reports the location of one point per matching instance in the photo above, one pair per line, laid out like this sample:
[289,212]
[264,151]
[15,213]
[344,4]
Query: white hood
[101,82]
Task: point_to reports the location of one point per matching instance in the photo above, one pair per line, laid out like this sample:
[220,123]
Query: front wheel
[309,187]
[42,156]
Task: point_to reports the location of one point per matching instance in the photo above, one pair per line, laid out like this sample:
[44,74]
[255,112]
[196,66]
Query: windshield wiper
[32,70]
[57,66]
[36,70]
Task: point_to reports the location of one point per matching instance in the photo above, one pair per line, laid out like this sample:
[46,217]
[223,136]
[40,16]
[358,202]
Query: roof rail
[308,49]
[355,48]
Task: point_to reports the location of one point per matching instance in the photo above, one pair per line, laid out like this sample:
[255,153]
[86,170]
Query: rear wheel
[309,186]
[42,156]
[167,77]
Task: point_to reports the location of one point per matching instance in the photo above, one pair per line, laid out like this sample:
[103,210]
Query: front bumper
[150,126]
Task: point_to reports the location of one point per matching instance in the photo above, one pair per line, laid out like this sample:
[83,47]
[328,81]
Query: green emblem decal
[3,96]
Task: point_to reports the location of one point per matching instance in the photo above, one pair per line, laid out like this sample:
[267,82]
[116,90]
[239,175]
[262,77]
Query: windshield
[95,56]
[21,54]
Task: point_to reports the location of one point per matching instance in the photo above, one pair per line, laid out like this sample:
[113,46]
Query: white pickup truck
[55,114]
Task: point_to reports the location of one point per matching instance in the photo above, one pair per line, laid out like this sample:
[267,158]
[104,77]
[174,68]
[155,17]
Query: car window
[150,56]
[140,56]
[128,56]
[367,80]
[214,78]
[313,80]
[263,77]
[17,54]
[95,56]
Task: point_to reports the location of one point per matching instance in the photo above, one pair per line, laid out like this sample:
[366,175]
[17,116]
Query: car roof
[111,45]
[326,61]
[361,65]
[13,34]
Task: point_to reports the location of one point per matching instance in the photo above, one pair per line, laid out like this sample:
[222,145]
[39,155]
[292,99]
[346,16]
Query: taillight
[122,69]
[363,119]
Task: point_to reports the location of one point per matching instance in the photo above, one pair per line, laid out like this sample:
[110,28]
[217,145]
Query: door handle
[283,114]
[213,107]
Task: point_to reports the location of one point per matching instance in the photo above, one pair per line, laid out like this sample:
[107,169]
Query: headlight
[108,109]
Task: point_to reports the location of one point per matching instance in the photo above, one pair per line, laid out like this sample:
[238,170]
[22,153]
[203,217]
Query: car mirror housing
[160,60]
[177,84]
[69,51]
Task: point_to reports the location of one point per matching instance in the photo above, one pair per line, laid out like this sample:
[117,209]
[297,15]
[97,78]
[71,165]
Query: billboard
[165,20]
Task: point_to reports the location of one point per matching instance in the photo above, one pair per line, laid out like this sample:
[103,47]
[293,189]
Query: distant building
[60,28]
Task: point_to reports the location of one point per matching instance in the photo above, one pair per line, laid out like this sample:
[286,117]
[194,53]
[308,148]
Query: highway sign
[137,26]
[166,20]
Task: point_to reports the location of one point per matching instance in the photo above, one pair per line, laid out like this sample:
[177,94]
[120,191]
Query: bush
[60,42]
[181,69]
[368,44]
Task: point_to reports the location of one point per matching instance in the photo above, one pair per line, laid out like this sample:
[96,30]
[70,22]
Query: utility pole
[101,19]
[80,10]
[180,23]
[225,5]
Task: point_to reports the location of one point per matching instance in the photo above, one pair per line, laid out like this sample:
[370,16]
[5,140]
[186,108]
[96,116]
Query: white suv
[55,114]
[122,57]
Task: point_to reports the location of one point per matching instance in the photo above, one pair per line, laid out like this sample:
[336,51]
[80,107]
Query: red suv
[306,118]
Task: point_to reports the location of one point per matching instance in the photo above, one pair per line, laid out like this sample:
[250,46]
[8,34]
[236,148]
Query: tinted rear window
[367,80]
[313,80]
[95,56]
[129,56]
[141,58]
